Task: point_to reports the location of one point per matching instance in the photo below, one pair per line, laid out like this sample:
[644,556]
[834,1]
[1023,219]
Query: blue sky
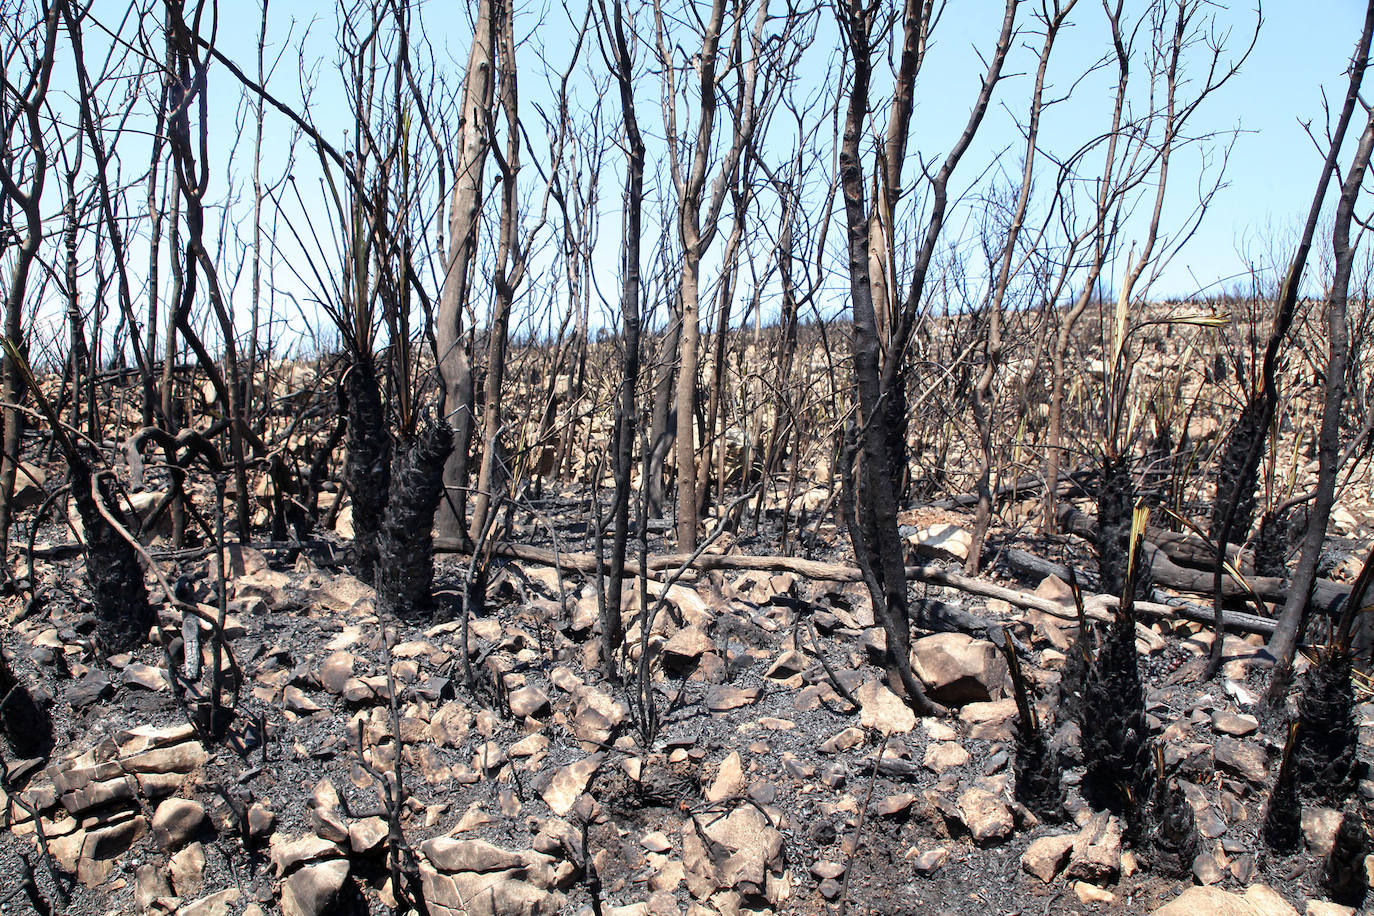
[1302,49]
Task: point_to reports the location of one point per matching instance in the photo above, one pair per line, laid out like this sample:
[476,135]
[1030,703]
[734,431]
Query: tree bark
[455,366]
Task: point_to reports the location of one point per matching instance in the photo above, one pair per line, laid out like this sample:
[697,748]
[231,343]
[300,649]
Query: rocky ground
[533,784]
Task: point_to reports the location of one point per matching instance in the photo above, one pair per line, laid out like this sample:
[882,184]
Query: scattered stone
[939,542]
[848,738]
[261,820]
[958,669]
[723,699]
[287,854]
[1207,870]
[987,817]
[944,755]
[500,894]
[1244,759]
[1258,900]
[336,671]
[325,816]
[529,701]
[146,677]
[313,890]
[686,646]
[187,869]
[596,715]
[1233,724]
[1096,851]
[1047,856]
[367,835]
[177,821]
[1319,826]
[1091,893]
[729,781]
[217,904]
[569,782]
[295,700]
[882,709]
[928,863]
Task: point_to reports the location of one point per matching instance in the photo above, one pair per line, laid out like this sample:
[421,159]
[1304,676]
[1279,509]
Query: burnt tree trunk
[368,469]
[405,571]
[123,614]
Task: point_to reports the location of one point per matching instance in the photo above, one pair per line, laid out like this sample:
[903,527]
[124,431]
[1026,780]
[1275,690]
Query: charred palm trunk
[1116,740]
[405,573]
[1115,500]
[1282,829]
[1037,764]
[1346,878]
[1271,545]
[1171,842]
[1234,509]
[368,470]
[1328,770]
[1079,658]
[123,614]
[26,726]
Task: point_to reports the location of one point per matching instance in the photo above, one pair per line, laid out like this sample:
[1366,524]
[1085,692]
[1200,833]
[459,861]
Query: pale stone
[944,755]
[729,781]
[176,821]
[1258,900]
[1047,856]
[336,670]
[958,669]
[987,817]
[313,890]
[941,542]
[217,904]
[569,782]
[882,709]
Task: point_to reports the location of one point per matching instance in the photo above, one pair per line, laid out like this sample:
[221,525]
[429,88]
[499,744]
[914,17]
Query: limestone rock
[217,904]
[287,854]
[569,782]
[529,701]
[1045,857]
[958,669]
[747,849]
[450,855]
[490,894]
[939,542]
[1258,900]
[313,890]
[882,709]
[1244,759]
[1096,851]
[177,821]
[324,813]
[336,670]
[729,781]
[187,869]
[987,817]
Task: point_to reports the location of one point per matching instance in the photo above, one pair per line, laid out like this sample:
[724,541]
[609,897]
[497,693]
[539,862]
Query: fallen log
[1098,606]
[1327,596]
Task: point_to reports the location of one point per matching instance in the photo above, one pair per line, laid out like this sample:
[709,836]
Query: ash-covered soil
[530,782]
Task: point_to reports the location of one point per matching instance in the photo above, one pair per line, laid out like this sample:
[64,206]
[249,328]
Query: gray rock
[313,890]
